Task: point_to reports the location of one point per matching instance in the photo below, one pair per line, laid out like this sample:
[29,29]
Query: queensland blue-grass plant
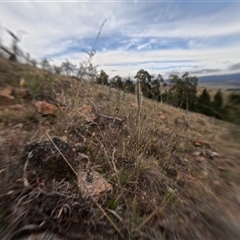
[139,99]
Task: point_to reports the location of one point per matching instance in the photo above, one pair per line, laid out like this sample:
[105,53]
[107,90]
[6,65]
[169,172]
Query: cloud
[235,67]
[157,36]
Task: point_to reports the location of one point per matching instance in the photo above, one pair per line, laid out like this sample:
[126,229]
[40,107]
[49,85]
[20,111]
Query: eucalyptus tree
[182,91]
[102,78]
[68,68]
[156,87]
[117,82]
[145,81]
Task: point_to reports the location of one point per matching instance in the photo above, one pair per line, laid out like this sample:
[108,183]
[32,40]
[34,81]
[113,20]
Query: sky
[166,37]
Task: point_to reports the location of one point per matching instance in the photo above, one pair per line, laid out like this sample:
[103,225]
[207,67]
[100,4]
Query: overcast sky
[202,37]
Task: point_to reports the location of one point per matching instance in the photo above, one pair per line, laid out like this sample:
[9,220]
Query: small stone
[87,112]
[163,117]
[214,154]
[217,183]
[64,138]
[21,93]
[200,159]
[21,82]
[196,154]
[134,105]
[221,168]
[199,143]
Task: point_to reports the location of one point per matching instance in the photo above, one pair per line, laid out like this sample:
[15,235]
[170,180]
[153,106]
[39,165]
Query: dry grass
[160,190]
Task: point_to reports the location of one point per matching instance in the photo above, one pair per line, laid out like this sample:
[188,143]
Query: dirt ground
[82,164]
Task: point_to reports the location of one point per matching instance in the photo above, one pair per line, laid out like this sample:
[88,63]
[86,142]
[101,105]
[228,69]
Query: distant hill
[232,79]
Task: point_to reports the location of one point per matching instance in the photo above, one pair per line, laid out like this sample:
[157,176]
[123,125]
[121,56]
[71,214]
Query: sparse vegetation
[159,189]
[149,170]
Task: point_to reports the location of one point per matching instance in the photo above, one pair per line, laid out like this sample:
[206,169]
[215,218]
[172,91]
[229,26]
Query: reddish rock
[6,97]
[91,183]
[21,93]
[134,105]
[8,91]
[87,112]
[199,142]
[85,109]
[45,108]
[163,117]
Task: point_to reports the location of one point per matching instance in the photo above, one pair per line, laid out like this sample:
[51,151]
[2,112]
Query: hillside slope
[76,163]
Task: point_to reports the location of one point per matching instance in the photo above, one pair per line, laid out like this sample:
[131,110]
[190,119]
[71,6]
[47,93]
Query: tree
[129,85]
[57,69]
[87,71]
[189,91]
[232,108]
[204,98]
[102,78]
[45,64]
[182,91]
[15,50]
[145,79]
[117,82]
[234,99]
[218,100]
[204,104]
[33,62]
[68,67]
[144,75]
[156,86]
[175,94]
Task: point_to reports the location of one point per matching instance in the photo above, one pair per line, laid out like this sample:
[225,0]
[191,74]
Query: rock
[217,183]
[200,159]
[85,109]
[46,160]
[17,107]
[163,117]
[91,183]
[210,154]
[21,82]
[6,100]
[222,168]
[6,97]
[197,154]
[9,94]
[46,93]
[103,96]
[21,93]
[8,91]
[199,143]
[214,154]
[206,153]
[87,112]
[134,105]
[45,108]
[64,84]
